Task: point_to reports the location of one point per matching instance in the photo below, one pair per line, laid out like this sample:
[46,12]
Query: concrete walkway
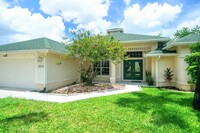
[61,98]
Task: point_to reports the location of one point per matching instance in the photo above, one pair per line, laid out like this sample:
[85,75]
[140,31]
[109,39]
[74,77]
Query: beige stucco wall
[60,75]
[177,64]
[141,46]
[153,67]
[164,63]
[182,76]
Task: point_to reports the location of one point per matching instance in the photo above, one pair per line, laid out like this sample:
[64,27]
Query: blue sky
[28,19]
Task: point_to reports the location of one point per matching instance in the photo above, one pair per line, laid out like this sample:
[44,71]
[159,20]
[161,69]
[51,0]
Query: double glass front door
[133,70]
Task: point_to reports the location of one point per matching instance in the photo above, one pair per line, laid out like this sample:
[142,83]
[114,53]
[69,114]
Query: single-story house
[33,65]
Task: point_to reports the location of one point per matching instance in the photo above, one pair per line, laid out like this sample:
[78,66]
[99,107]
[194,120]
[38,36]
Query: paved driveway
[61,98]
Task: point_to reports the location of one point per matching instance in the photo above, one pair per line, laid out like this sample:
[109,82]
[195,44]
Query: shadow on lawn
[26,118]
[163,108]
[198,115]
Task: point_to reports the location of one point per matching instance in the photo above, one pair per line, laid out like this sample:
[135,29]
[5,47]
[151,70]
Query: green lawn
[151,110]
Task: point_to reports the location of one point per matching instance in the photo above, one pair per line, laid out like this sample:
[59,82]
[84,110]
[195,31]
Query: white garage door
[18,73]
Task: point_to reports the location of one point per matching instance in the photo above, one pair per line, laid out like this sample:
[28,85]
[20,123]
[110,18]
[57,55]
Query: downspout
[45,73]
[157,81]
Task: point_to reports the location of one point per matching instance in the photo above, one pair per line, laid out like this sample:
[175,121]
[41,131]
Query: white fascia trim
[155,55]
[32,51]
[24,51]
[179,44]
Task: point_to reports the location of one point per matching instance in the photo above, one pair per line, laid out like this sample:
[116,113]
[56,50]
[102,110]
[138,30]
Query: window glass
[101,68]
[134,54]
[105,63]
[105,71]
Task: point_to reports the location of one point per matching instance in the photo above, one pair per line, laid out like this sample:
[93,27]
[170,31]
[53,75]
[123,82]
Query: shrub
[168,74]
[149,78]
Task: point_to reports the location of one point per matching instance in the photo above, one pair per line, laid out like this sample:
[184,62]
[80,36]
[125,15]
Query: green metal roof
[137,38]
[35,44]
[187,40]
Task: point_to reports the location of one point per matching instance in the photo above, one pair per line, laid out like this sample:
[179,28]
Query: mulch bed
[100,87]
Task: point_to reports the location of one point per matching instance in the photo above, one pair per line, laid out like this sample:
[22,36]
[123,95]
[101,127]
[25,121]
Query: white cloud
[94,27]
[151,18]
[191,19]
[87,14]
[127,2]
[20,24]
[3,4]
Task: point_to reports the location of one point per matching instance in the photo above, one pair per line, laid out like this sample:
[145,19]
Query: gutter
[155,55]
[32,51]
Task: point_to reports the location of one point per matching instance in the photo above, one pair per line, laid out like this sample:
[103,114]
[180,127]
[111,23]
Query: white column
[113,73]
[157,71]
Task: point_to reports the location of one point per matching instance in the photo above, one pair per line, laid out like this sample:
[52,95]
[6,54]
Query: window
[101,68]
[134,54]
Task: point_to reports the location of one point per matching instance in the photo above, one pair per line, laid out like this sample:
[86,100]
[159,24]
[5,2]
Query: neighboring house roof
[159,52]
[187,40]
[124,37]
[35,44]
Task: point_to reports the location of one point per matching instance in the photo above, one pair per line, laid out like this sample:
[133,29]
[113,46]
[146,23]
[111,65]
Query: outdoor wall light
[39,59]
[5,55]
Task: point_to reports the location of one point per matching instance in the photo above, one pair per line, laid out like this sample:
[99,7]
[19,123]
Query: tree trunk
[196,100]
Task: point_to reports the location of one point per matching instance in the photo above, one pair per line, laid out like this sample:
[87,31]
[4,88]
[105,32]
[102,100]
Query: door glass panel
[138,70]
[137,75]
[127,70]
[137,67]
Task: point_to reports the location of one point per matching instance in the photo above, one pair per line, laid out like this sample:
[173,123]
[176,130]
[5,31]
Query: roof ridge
[46,43]
[22,41]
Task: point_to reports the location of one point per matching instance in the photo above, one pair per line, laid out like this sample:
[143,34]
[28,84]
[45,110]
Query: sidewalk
[62,98]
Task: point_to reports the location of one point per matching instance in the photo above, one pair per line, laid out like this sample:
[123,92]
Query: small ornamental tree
[193,69]
[90,49]
[168,74]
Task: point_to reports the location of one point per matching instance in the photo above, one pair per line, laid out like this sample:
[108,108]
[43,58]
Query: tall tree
[193,61]
[90,49]
[186,31]
[193,69]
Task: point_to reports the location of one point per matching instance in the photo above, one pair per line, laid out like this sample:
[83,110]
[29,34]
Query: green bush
[149,78]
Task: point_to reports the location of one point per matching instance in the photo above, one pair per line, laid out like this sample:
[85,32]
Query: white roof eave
[141,41]
[23,51]
[177,44]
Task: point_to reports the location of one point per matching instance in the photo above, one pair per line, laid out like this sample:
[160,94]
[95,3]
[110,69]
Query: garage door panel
[17,73]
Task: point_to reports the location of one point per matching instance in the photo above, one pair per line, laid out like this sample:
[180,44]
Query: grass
[151,110]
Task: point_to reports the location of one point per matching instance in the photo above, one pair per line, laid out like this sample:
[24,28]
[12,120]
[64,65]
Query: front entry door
[133,70]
